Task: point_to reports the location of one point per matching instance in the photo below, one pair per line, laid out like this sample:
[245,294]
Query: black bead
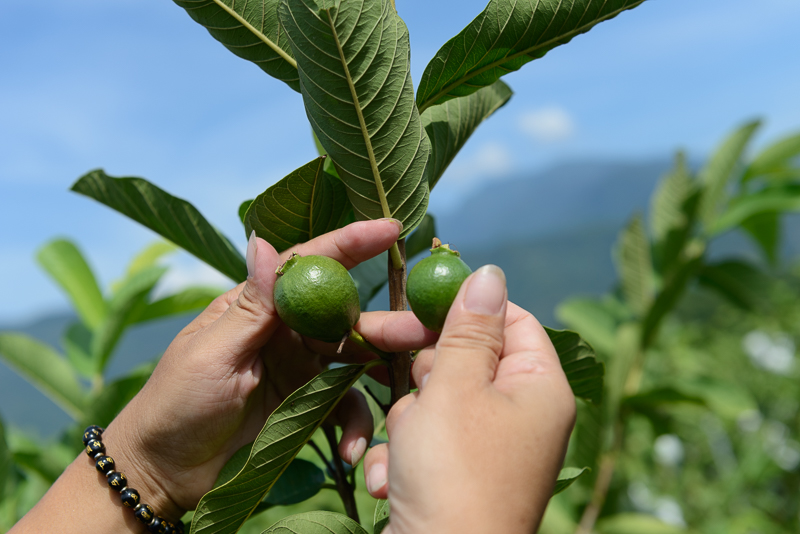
[117,481]
[105,464]
[158,524]
[178,526]
[95,446]
[170,528]
[89,435]
[144,513]
[94,428]
[130,497]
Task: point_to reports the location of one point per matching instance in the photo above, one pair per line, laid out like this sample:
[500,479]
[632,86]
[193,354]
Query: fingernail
[376,477]
[251,255]
[358,451]
[424,380]
[486,292]
[398,223]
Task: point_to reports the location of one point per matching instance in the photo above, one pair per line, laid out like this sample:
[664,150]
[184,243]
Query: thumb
[472,338]
[251,319]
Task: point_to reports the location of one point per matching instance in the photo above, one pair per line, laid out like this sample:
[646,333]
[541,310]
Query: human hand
[478,448]
[228,370]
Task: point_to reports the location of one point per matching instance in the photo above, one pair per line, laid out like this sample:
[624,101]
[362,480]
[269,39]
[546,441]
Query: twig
[346,490]
[400,364]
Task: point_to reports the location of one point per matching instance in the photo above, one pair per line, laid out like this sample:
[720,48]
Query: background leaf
[450,124]
[305,204]
[301,480]
[250,30]
[43,367]
[381,517]
[632,523]
[189,300]
[77,343]
[674,188]
[354,59]
[741,283]
[66,265]
[422,238]
[504,37]
[770,200]
[287,430]
[774,159]
[169,216]
[567,476]
[765,229]
[116,395]
[316,523]
[584,372]
[635,267]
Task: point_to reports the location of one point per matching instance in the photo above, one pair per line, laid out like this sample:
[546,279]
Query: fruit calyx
[439,247]
[285,266]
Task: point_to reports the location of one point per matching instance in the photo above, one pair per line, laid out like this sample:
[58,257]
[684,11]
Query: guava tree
[382,150]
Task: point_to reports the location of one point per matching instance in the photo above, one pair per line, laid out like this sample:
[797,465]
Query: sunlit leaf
[578,359]
[593,319]
[171,217]
[354,64]
[316,523]
[774,159]
[77,343]
[287,430]
[503,38]
[742,284]
[43,367]
[66,265]
[150,256]
[635,267]
[381,516]
[48,461]
[719,171]
[250,30]
[303,205]
[116,395]
[632,523]
[770,200]
[188,300]
[567,476]
[674,188]
[450,124]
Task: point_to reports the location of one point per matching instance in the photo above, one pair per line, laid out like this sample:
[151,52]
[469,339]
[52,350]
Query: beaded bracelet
[117,481]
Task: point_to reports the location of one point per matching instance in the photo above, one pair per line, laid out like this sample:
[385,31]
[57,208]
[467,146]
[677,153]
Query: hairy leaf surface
[169,216]
[635,267]
[225,508]
[450,124]
[354,64]
[305,204]
[667,203]
[251,30]
[316,523]
[504,37]
[381,516]
[584,372]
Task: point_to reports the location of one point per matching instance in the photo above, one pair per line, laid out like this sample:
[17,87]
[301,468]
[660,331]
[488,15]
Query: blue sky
[139,89]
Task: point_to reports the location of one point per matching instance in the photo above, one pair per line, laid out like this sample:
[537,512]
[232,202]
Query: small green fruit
[316,297]
[434,283]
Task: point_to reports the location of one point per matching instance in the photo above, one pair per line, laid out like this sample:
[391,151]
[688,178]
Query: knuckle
[470,333]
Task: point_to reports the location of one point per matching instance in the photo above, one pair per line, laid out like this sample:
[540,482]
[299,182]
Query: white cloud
[547,125]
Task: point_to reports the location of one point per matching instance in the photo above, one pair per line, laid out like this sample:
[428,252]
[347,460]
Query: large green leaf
[301,480]
[288,429]
[77,343]
[588,439]
[593,319]
[49,461]
[124,307]
[584,372]
[354,61]
[774,159]
[64,262]
[742,284]
[719,172]
[185,301]
[250,30]
[148,258]
[635,267]
[305,204]
[770,200]
[660,396]
[567,476]
[45,369]
[381,516]
[507,35]
[316,523]
[450,124]
[169,216]
[765,229]
[106,404]
[667,203]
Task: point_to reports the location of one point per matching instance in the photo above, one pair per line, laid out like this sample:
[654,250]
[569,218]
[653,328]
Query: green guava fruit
[434,283]
[316,297]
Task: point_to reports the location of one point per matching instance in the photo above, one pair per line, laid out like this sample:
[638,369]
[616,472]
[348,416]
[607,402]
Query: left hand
[228,370]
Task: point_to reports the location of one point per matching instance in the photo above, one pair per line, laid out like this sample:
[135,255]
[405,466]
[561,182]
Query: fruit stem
[398,260]
[345,489]
[359,340]
[400,364]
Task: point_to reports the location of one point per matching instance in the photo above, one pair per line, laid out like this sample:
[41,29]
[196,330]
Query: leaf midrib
[362,123]
[432,100]
[266,40]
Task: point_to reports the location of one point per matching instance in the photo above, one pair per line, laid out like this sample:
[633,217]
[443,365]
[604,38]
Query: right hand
[478,448]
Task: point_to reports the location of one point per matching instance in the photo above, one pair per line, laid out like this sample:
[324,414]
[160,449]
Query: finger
[251,318]
[376,471]
[472,338]
[353,415]
[423,364]
[352,244]
[397,411]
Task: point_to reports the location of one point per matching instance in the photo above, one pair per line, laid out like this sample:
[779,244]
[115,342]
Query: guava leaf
[305,204]
[776,199]
[635,523]
[667,298]
[742,284]
[225,508]
[578,359]
[567,476]
[765,228]
[115,396]
[673,189]
[381,517]
[67,266]
[77,343]
[169,216]
[503,38]
[354,64]
[774,159]
[450,124]
[250,30]
[635,267]
[301,480]
[316,523]
[185,301]
[421,239]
